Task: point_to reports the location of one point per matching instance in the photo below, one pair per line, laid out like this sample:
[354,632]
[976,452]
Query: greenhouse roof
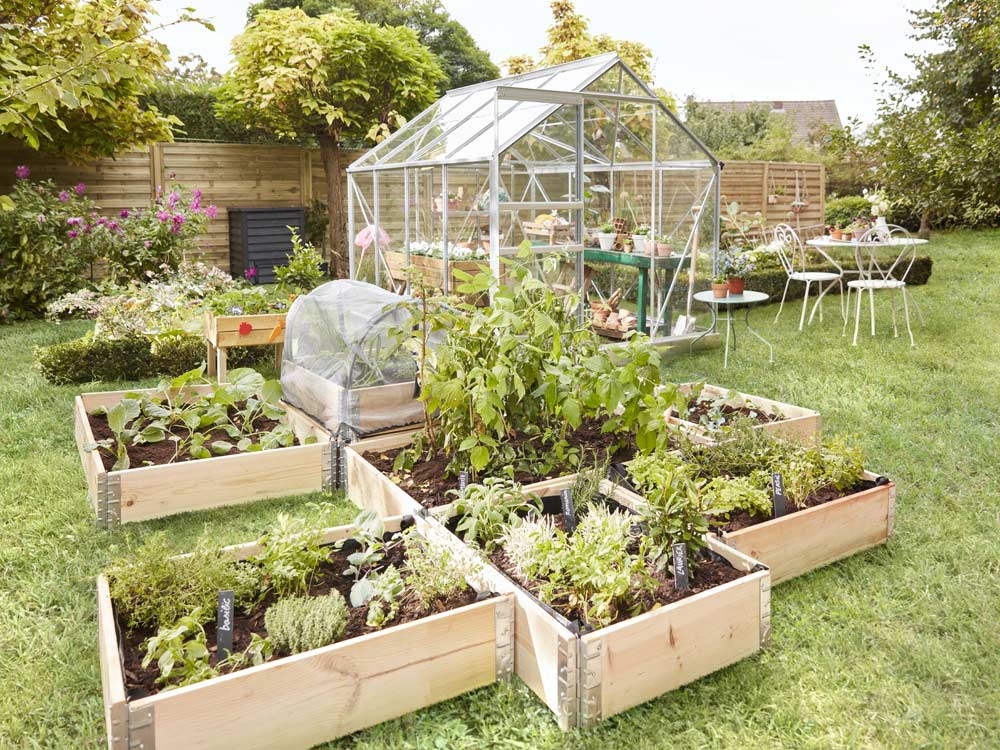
[471,124]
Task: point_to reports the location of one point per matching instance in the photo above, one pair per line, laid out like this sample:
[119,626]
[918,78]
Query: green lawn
[895,648]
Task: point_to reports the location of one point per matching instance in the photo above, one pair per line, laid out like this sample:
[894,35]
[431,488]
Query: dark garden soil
[428,485]
[705,407]
[164,452]
[141,682]
[743,519]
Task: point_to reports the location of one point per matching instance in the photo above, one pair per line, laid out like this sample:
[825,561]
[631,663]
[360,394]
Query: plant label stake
[568,511]
[463,482]
[778,494]
[681,581]
[224,624]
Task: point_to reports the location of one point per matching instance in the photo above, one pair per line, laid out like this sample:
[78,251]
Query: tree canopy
[72,74]
[754,134]
[461,59]
[333,77]
[938,130]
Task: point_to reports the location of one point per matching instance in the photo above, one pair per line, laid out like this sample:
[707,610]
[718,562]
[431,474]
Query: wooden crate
[799,542]
[138,494]
[316,696]
[586,678]
[799,424]
[223,331]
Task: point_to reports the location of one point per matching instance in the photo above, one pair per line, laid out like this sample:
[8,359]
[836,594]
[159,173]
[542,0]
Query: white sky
[714,49]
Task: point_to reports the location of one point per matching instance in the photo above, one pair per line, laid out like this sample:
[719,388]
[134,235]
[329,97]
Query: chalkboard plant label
[224,624]
[681,577]
[568,511]
[778,494]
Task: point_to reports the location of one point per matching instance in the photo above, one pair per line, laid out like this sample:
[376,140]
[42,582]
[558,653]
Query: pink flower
[250,274]
[22,172]
[146,244]
[63,196]
[113,226]
[179,219]
[196,201]
[74,221]
[40,218]
[211,212]
[81,188]
[124,213]
[366,237]
[72,233]
[172,199]
[162,216]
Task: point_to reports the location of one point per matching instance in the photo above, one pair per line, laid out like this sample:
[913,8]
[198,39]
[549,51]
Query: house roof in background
[805,115]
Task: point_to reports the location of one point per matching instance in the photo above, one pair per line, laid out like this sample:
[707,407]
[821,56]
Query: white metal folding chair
[884,256]
[792,254]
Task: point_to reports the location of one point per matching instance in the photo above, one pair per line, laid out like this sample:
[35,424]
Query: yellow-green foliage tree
[332,77]
[72,74]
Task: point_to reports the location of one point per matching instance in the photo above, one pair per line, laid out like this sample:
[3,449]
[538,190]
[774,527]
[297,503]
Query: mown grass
[898,647]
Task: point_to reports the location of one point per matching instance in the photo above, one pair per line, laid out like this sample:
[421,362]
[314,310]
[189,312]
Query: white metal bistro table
[856,247]
[730,303]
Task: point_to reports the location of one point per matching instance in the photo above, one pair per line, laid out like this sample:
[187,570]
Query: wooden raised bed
[316,696]
[586,678]
[798,424]
[802,541]
[223,331]
[371,409]
[146,492]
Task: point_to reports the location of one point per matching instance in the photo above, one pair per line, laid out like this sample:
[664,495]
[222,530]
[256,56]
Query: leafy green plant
[249,300]
[303,272]
[593,572]
[153,587]
[728,495]
[292,552]
[432,574]
[369,535]
[382,592]
[181,652]
[302,623]
[484,509]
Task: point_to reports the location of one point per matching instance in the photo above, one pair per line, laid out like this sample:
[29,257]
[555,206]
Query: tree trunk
[924,232]
[329,149]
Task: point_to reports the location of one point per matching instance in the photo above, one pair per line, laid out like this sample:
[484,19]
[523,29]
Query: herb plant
[292,552]
[181,652]
[301,623]
[484,509]
[381,591]
[432,574]
[303,272]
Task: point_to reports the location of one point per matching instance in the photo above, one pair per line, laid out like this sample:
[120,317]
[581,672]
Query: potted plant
[640,239]
[836,233]
[720,286]
[662,246]
[607,236]
[737,263]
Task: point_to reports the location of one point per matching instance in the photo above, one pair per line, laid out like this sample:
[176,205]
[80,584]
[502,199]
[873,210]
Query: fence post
[305,176]
[155,168]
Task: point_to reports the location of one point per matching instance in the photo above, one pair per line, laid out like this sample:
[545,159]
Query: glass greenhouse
[547,156]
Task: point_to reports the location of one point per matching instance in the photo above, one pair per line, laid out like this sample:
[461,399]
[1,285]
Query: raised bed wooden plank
[368,487]
[146,492]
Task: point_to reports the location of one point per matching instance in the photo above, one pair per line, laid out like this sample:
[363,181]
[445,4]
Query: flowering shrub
[143,240]
[41,255]
[737,263]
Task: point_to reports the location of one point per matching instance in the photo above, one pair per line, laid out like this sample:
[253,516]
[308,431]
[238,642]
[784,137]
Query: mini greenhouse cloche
[346,362]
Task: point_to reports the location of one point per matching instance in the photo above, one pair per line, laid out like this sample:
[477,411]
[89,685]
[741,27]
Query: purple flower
[113,226]
[179,219]
[162,215]
[81,188]
[74,221]
[250,274]
[124,213]
[40,218]
[211,212]
[146,244]
[72,233]
[196,201]
[63,196]
[22,172]
[172,199]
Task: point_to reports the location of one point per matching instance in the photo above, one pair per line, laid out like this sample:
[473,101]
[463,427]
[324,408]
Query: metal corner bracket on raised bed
[591,674]
[108,503]
[142,728]
[504,620]
[765,608]
[568,655]
[331,465]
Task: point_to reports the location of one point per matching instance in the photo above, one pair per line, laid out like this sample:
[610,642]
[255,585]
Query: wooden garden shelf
[798,424]
[223,332]
[138,494]
[316,696]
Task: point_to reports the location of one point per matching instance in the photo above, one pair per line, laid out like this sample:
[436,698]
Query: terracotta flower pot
[736,286]
[837,234]
[720,290]
[663,249]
